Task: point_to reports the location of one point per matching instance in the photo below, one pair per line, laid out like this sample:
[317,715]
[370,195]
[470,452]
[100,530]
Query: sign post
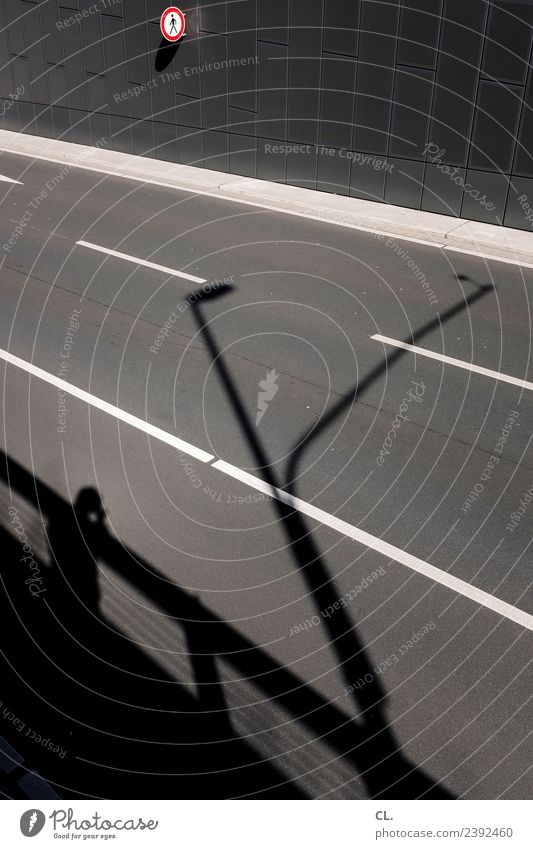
[172,23]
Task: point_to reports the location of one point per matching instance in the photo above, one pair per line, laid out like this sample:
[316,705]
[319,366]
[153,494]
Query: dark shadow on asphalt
[119,726]
[304,440]
[115,724]
[368,743]
[98,717]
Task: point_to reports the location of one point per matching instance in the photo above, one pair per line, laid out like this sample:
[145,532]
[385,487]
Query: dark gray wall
[357,78]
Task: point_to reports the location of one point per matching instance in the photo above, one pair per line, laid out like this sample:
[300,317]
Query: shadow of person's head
[88,506]
[75,539]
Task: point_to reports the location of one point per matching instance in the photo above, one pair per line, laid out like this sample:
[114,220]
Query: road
[299,559]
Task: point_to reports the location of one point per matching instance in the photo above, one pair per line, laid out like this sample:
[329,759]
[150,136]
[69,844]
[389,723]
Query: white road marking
[9,180]
[497,375]
[137,261]
[140,424]
[439,576]
[379,545]
[489,256]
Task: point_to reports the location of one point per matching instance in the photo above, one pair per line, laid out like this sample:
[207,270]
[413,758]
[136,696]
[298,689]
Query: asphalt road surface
[267,554]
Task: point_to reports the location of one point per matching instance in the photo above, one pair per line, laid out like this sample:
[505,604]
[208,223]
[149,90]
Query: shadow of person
[130,728]
[74,537]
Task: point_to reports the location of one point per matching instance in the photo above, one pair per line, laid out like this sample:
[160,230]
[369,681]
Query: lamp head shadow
[481,287]
[199,295]
[88,506]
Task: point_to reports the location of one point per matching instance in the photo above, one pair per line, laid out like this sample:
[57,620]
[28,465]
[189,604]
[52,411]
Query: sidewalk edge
[493,241]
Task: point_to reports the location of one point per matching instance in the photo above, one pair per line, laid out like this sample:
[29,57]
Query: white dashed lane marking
[452,361]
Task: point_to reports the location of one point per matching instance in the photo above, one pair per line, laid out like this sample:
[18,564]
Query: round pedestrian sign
[172,23]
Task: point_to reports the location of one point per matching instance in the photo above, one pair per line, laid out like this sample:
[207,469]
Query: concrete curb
[489,240]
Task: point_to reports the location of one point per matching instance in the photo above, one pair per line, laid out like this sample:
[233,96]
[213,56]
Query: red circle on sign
[172,23]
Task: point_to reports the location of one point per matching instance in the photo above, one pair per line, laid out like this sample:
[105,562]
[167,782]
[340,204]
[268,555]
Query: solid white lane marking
[9,180]
[137,261]
[368,540]
[140,424]
[489,256]
[379,545]
[496,375]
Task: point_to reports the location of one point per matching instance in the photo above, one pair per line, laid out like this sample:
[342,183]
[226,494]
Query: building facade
[426,104]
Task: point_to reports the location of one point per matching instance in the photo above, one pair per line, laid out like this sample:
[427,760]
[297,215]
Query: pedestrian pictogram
[172,23]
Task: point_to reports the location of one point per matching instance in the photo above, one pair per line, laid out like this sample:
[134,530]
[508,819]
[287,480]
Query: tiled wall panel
[423,103]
